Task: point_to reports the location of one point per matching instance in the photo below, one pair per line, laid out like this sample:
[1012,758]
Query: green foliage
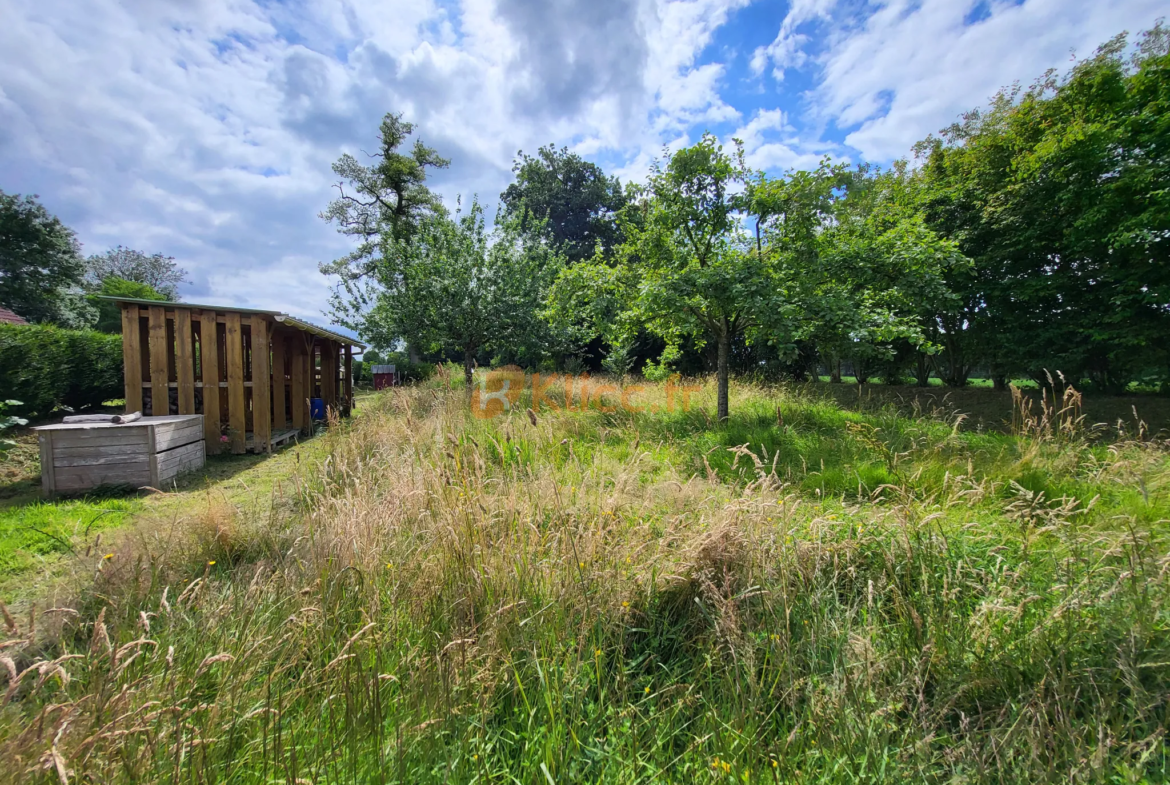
[459,289]
[49,367]
[7,422]
[381,206]
[1061,195]
[109,314]
[158,273]
[40,261]
[566,199]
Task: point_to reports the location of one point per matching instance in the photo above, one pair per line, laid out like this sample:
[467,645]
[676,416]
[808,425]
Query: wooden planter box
[81,456]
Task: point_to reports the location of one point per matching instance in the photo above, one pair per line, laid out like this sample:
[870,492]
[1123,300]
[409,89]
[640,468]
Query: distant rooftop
[8,317]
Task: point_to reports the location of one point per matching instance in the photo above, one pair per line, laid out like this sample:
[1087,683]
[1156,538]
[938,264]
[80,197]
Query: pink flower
[223,439]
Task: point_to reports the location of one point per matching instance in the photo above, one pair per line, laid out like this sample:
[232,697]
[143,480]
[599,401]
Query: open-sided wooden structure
[252,382]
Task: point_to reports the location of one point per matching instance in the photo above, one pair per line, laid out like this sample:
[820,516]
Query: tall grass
[806,594]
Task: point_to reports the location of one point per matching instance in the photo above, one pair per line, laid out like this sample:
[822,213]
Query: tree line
[45,279]
[1027,240]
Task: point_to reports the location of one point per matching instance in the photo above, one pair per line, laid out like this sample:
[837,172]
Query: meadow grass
[808,593]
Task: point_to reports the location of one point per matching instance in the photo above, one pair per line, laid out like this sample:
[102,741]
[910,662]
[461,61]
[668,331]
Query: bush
[47,367]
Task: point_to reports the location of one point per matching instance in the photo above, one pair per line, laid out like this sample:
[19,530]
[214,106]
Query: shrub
[47,367]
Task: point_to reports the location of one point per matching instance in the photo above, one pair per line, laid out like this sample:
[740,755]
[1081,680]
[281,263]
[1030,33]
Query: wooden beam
[297,392]
[185,361]
[209,361]
[159,397]
[235,379]
[261,386]
[348,380]
[131,359]
[279,412]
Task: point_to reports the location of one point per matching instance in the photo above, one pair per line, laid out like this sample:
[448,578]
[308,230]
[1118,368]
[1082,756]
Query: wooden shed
[250,373]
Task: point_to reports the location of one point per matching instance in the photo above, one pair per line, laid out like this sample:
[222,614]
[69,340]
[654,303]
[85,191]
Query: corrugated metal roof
[381,369]
[8,317]
[283,318]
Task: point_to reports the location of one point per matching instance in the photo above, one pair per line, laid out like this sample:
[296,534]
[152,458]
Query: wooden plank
[138,460]
[327,374]
[131,359]
[96,437]
[279,414]
[87,477]
[235,379]
[297,392]
[48,478]
[97,450]
[178,460]
[176,437]
[209,356]
[261,385]
[185,361]
[159,397]
[348,380]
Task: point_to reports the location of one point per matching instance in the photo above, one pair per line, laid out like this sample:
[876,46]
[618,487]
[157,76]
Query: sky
[205,129]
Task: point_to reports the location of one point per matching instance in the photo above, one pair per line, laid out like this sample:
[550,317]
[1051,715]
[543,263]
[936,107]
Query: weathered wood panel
[348,380]
[159,396]
[297,395]
[48,476]
[131,358]
[184,361]
[165,439]
[209,361]
[261,386]
[279,414]
[180,459]
[235,380]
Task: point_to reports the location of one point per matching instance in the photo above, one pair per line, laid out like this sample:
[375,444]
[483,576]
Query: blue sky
[204,129]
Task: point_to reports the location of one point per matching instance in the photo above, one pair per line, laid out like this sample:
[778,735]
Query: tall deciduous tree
[40,262]
[109,315]
[569,200]
[382,206]
[460,288]
[156,271]
[1061,195]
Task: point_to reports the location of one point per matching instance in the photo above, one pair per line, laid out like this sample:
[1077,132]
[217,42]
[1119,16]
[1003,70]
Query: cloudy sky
[205,129]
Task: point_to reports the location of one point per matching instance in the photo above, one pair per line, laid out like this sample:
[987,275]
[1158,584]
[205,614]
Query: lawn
[820,590]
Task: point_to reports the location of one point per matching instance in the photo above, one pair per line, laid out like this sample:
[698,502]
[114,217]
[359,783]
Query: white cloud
[913,66]
[205,128]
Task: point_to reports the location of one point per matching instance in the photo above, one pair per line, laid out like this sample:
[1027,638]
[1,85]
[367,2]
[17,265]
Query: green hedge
[46,367]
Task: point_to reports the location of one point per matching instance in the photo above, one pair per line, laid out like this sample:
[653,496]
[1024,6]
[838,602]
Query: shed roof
[8,317]
[283,318]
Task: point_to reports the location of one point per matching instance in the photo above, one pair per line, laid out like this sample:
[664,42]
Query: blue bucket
[317,408]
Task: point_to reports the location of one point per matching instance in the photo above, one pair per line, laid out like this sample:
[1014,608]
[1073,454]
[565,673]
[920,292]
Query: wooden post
[261,387]
[279,414]
[209,355]
[297,392]
[184,361]
[348,380]
[328,375]
[235,379]
[131,358]
[160,399]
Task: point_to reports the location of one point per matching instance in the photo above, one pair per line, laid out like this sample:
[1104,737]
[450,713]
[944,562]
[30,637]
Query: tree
[156,271]
[686,270]
[569,200]
[458,288]
[1061,195]
[382,206]
[109,315]
[40,261]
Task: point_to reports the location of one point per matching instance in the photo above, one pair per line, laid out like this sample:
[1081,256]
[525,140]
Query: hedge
[47,367]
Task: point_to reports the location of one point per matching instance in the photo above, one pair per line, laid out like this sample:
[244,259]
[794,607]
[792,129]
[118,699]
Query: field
[824,589]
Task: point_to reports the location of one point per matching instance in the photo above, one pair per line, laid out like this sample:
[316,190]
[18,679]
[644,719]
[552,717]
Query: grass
[810,593]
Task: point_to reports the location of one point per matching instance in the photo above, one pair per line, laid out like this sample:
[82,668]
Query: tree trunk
[922,376]
[411,353]
[722,370]
[468,367]
[999,382]
[835,371]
